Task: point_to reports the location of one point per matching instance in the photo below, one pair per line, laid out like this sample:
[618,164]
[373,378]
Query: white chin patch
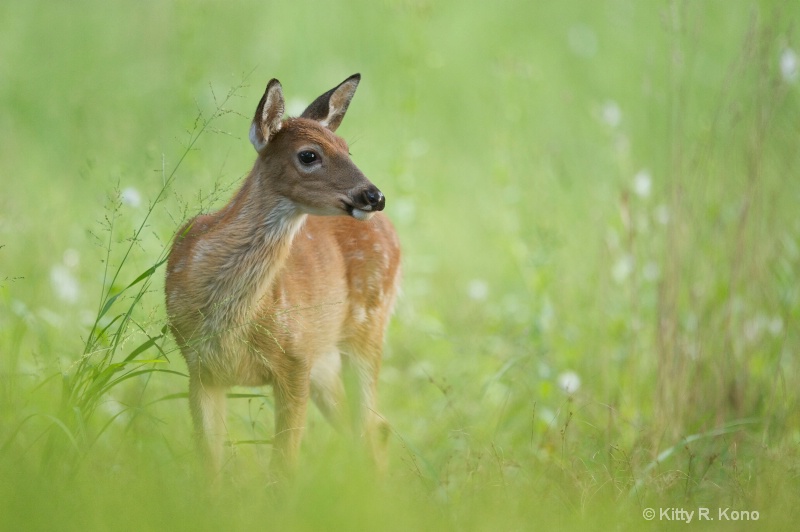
[358,214]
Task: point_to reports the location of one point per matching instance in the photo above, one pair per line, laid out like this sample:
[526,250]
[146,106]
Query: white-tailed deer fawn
[275,288]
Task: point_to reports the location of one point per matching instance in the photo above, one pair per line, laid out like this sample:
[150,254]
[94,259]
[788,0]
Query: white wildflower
[790,65]
[569,382]
[64,284]
[130,197]
[622,268]
[478,289]
[611,113]
[642,183]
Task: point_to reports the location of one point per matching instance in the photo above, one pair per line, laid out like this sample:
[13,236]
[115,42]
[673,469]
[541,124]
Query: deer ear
[329,109]
[269,113]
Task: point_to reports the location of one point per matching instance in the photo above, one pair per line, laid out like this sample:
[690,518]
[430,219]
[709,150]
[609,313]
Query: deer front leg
[208,405]
[291,403]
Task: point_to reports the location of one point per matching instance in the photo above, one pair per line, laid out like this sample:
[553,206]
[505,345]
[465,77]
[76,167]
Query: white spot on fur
[180,266]
[359,314]
[375,283]
[200,251]
[285,219]
[326,369]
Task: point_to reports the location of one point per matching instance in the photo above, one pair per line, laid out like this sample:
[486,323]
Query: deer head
[302,159]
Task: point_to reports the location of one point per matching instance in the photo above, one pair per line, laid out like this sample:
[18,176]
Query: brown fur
[263,292]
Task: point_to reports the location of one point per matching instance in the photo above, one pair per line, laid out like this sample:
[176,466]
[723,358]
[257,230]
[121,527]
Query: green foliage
[598,207]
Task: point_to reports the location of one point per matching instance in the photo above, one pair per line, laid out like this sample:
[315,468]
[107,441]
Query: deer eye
[307,157]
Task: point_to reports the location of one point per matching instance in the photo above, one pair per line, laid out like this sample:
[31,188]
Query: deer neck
[255,233]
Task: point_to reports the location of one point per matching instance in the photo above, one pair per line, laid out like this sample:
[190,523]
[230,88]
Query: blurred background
[598,205]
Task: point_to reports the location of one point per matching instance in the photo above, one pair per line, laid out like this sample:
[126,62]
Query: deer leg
[208,405]
[291,403]
[327,389]
[374,429]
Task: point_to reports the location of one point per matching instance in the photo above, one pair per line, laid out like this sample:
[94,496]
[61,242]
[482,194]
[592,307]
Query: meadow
[598,207]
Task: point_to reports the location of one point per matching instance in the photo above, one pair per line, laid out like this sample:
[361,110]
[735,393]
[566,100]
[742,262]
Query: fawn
[298,270]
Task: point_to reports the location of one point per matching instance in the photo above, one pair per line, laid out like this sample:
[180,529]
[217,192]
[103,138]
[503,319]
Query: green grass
[605,190]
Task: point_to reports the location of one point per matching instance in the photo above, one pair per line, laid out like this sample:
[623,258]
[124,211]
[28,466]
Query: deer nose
[374,198]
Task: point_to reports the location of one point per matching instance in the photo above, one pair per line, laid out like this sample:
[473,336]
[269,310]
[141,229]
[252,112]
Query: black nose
[374,198]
